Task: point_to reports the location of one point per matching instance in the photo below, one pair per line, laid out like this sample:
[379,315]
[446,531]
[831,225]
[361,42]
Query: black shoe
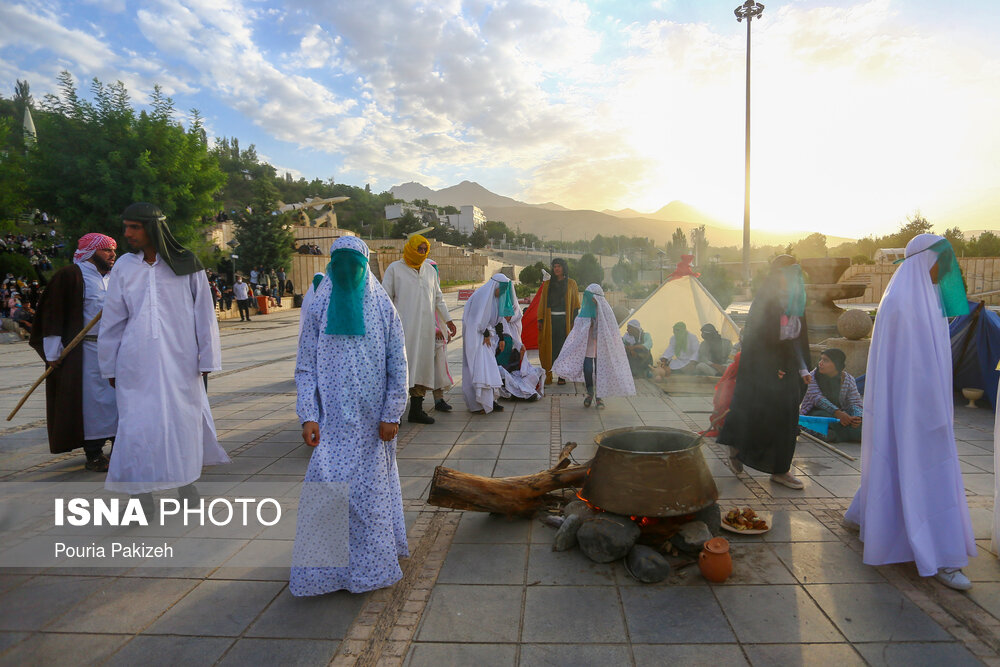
[417,414]
[248,319]
[189,493]
[497,407]
[441,405]
[148,505]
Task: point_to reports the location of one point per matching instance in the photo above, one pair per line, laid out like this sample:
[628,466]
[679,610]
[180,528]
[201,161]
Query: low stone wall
[287,303]
[982,274]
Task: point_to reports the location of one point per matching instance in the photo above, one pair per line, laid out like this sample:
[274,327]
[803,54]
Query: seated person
[638,344]
[833,393]
[682,353]
[713,353]
[520,378]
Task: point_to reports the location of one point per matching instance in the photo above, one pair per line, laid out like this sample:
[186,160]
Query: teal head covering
[348,272]
[589,306]
[180,260]
[950,283]
[505,300]
[795,306]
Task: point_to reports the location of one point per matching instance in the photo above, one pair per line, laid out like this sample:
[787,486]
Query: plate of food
[746,521]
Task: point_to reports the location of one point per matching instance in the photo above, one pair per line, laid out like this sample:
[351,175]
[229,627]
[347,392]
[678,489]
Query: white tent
[682,300]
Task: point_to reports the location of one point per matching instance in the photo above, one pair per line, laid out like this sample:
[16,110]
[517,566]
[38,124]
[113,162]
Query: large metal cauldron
[649,471]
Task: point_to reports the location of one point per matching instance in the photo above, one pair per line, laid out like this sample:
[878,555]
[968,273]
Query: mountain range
[552,221]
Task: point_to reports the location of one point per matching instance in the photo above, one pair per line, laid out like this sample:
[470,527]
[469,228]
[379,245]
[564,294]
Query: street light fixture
[749,10]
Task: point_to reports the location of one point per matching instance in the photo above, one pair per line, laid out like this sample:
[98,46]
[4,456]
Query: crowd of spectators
[308,249]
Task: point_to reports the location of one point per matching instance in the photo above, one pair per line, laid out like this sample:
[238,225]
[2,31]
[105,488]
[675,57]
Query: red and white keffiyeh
[90,243]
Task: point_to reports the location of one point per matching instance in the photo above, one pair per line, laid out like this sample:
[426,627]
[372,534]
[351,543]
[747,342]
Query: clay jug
[714,561]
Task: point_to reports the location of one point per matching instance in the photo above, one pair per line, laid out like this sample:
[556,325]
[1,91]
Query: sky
[863,112]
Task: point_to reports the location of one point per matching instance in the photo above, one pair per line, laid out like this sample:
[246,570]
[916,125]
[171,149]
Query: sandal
[587,401]
[789,480]
[600,403]
[98,464]
[561,381]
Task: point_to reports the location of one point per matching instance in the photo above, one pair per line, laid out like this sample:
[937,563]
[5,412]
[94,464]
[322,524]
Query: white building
[468,220]
[889,255]
[397,211]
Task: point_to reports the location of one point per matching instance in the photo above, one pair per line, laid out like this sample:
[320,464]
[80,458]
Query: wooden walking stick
[66,350]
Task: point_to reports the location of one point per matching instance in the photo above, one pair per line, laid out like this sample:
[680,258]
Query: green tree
[265,238]
[95,158]
[717,281]
[624,272]
[986,244]
[12,176]
[811,246]
[408,224]
[586,270]
[957,240]
[478,238]
[532,275]
[677,246]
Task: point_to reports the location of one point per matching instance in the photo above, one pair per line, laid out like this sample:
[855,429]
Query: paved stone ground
[484,590]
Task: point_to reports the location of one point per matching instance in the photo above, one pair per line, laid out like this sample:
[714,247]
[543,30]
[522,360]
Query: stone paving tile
[280,652]
[124,606]
[516,451]
[473,451]
[775,615]
[797,526]
[987,594]
[825,563]
[476,527]
[42,600]
[526,438]
[320,617]
[153,651]
[516,467]
[573,614]
[899,654]
[558,655]
[63,649]
[8,639]
[481,467]
[566,568]
[806,655]
[418,451]
[756,563]
[484,564]
[666,615]
[423,654]
[217,608]
[414,487]
[693,655]
[430,436]
[417,467]
[984,567]
[491,437]
[875,612]
[459,613]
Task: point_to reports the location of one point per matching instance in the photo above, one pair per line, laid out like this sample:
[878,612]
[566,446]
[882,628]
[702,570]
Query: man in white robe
[911,505]
[413,287]
[593,351]
[351,381]
[159,338]
[442,374]
[681,355]
[481,379]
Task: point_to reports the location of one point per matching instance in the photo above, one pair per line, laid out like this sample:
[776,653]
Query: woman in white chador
[481,379]
[593,352]
[520,378]
[911,505]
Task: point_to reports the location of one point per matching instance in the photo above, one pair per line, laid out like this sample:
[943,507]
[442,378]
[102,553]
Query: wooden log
[511,496]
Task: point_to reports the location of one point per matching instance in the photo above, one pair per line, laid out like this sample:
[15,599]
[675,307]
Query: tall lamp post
[749,10]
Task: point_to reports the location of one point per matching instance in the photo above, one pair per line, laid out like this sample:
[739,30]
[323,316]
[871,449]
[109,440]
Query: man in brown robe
[80,406]
[557,309]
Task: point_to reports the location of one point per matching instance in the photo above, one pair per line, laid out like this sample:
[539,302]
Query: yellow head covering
[413,257]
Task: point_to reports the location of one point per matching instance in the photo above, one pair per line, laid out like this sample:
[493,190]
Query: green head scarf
[505,300]
[680,339]
[348,271]
[589,306]
[953,299]
[796,289]
[180,260]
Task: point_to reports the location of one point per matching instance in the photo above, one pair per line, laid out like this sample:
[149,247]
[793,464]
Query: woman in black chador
[763,420]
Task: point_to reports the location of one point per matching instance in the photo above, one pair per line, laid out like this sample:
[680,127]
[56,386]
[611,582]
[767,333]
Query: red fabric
[724,389]
[89,243]
[683,268]
[529,322]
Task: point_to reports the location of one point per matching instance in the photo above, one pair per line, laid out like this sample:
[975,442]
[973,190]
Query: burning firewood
[511,496]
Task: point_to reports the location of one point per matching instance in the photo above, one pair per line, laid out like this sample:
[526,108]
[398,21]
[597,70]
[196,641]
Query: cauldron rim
[696,439]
